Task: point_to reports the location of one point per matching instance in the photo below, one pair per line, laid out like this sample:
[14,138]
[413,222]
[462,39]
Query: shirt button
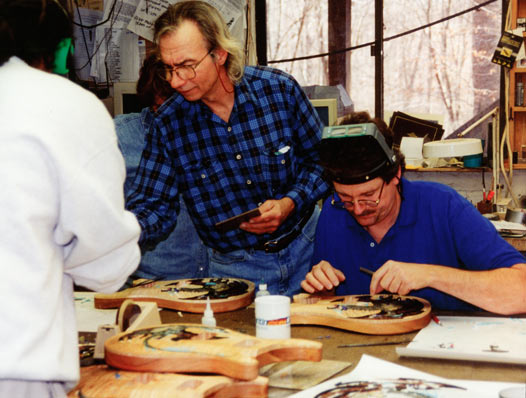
[249,182]
[229,129]
[282,161]
[203,175]
[238,156]
[371,244]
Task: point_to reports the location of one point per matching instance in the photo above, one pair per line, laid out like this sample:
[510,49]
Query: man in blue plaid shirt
[232,138]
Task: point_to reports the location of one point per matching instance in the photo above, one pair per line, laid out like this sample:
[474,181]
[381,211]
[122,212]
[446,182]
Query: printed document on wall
[149,10]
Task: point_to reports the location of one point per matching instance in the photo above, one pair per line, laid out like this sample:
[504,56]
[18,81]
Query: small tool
[374,344]
[436,320]
[367,271]
[490,196]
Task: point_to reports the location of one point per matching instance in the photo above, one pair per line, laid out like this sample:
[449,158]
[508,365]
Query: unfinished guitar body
[226,294]
[193,348]
[101,381]
[381,314]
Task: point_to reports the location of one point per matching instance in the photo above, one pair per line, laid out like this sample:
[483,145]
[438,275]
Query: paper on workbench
[88,317]
[379,378]
[488,339]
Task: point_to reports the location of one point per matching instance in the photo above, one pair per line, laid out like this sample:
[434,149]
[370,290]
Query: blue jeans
[182,254]
[282,271]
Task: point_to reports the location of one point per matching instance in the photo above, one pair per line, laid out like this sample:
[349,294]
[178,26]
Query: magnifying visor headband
[355,153]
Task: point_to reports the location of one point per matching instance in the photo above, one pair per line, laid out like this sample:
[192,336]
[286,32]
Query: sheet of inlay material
[190,295]
[381,314]
[299,375]
[193,348]
[102,381]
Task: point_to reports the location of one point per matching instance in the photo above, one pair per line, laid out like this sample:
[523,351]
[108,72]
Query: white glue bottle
[208,316]
[262,290]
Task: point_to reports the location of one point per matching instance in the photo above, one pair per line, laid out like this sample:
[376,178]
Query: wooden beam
[379,59]
[339,14]
[261,31]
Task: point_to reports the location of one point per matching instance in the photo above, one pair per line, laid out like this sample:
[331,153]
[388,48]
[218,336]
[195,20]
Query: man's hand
[273,213]
[401,278]
[323,276]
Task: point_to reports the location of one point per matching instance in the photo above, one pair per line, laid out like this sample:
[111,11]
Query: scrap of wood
[193,348]
[226,294]
[356,313]
[102,381]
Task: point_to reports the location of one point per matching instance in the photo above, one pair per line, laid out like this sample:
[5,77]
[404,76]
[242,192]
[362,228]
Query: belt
[276,245]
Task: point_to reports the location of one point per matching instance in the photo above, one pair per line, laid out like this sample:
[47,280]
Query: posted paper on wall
[149,10]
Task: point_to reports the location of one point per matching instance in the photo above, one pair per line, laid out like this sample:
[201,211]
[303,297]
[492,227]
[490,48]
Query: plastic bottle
[208,316]
[519,94]
[262,290]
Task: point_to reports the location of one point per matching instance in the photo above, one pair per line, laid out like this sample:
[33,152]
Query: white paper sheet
[379,378]
[84,40]
[118,53]
[471,338]
[149,10]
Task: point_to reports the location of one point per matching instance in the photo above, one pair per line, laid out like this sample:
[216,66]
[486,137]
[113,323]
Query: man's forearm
[502,290]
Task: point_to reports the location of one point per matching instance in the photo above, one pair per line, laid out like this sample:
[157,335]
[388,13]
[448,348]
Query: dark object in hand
[235,222]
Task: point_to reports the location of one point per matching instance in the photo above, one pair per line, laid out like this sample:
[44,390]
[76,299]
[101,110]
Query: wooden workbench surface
[244,321]
[517,243]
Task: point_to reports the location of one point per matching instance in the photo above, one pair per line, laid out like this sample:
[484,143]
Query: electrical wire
[505,140]
[97,24]
[112,17]
[372,43]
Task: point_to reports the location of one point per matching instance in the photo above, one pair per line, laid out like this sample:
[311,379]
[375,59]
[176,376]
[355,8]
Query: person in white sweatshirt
[62,215]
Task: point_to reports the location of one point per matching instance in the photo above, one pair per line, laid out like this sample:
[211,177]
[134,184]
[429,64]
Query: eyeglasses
[349,204]
[184,72]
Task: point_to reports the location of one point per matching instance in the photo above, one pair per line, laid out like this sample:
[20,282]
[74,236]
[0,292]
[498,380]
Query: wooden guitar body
[102,381]
[381,314]
[193,348]
[226,294]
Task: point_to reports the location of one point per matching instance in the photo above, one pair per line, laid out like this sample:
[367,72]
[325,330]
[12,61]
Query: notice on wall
[149,10]
[507,49]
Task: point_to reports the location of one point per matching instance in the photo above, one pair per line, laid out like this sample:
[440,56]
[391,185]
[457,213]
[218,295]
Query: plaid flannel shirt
[265,151]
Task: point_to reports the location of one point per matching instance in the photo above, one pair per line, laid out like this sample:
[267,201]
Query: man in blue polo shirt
[419,238]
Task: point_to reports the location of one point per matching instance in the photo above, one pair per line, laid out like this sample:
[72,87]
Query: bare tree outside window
[444,69]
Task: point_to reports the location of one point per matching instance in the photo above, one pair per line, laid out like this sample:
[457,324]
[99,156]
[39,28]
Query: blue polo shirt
[436,225]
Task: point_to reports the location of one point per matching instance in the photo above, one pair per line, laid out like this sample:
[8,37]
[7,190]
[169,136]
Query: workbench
[517,243]
[244,321]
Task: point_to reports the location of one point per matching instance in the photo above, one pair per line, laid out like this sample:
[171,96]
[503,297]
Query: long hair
[212,27]
[32,30]
[151,88]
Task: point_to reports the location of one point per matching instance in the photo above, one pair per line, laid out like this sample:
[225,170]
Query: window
[444,69]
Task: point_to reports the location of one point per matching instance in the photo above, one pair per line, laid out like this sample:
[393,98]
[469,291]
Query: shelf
[517,122]
[516,166]
[452,169]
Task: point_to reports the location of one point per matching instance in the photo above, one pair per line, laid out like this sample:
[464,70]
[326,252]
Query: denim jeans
[282,271]
[182,254]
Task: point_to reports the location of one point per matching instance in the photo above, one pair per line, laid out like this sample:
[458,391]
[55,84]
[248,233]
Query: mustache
[365,213]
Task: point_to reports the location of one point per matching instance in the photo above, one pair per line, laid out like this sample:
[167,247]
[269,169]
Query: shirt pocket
[279,165]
